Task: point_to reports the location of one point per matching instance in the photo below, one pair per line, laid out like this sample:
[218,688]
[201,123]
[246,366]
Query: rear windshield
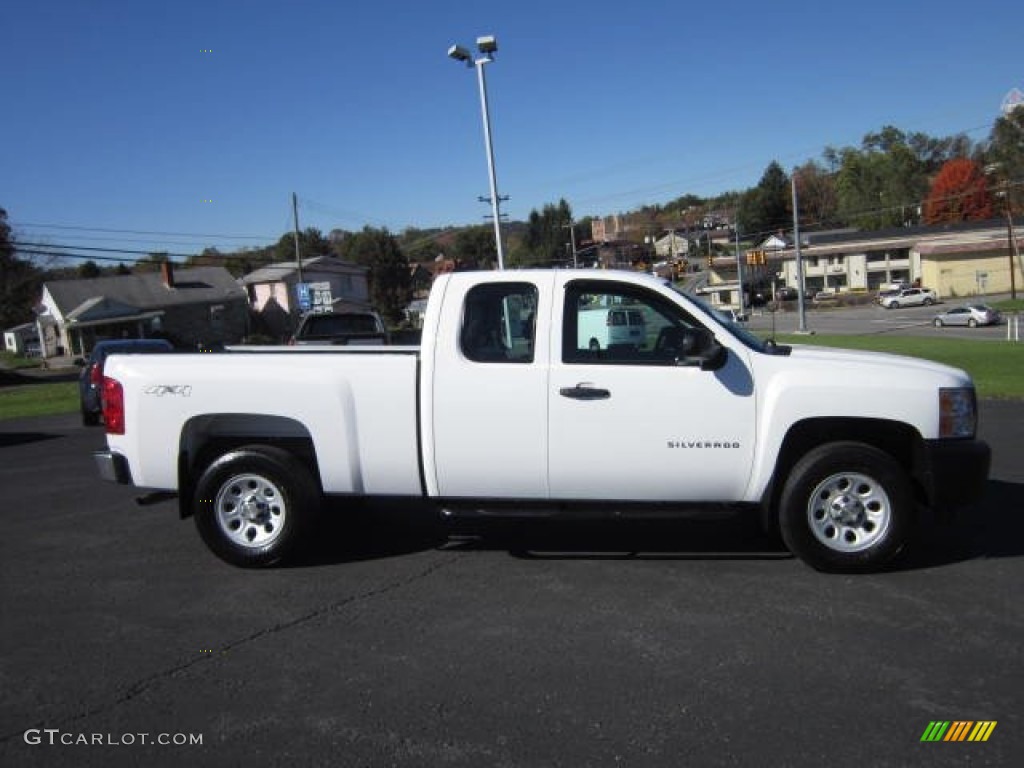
[331,325]
[103,350]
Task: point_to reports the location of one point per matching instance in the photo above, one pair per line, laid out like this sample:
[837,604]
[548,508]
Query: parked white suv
[910,297]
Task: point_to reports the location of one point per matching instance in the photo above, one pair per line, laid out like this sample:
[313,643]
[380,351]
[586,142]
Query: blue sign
[305,300]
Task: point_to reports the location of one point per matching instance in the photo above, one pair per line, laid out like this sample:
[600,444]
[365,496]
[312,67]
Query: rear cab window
[498,323]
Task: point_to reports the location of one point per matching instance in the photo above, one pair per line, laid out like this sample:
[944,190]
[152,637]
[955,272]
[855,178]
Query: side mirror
[694,347]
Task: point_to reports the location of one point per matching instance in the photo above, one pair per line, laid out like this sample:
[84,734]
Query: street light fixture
[487,46]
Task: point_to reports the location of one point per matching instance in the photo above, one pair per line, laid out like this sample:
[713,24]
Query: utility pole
[571,226]
[295,214]
[1011,243]
[739,268]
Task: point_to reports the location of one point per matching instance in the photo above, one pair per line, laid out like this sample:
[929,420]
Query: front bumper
[113,467]
[955,471]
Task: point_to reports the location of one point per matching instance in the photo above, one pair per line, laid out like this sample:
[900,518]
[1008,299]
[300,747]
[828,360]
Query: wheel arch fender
[900,440]
[207,438]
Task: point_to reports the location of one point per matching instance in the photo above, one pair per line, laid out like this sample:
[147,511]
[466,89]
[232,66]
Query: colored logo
[958,730]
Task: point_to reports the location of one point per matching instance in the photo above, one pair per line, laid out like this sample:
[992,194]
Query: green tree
[312,243]
[151,262]
[765,209]
[390,283]
[816,194]
[210,257]
[474,247]
[88,269]
[547,234]
[883,183]
[1005,154]
[20,281]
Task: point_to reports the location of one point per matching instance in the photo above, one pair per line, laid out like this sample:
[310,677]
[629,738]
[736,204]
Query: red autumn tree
[958,193]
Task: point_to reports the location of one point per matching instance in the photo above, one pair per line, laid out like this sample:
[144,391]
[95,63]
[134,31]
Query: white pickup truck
[505,406]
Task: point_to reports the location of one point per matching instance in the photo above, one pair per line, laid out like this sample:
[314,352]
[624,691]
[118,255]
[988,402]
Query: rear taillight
[113,406]
[95,375]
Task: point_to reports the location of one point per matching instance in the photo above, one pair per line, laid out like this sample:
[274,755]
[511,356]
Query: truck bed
[356,405]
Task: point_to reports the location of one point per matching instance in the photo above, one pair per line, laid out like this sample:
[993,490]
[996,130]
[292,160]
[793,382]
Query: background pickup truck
[507,406]
[341,328]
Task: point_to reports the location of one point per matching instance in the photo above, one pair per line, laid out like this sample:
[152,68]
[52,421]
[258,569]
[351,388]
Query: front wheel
[847,508]
[938,322]
[254,504]
[972,323]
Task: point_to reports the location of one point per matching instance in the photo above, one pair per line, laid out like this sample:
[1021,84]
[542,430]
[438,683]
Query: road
[870,319]
[398,642]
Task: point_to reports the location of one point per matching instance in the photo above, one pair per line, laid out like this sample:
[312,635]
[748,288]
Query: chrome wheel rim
[849,512]
[251,511]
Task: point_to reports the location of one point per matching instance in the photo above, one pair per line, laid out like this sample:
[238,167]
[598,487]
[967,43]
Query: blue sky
[115,118]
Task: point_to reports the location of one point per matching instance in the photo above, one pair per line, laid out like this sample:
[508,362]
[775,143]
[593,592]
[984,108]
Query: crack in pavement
[139,687]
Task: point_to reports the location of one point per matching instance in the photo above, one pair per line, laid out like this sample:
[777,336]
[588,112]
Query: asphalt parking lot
[398,642]
[871,319]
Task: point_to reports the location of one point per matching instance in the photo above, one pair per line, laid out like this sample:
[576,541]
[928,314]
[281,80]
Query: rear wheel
[254,504]
[972,323]
[846,508]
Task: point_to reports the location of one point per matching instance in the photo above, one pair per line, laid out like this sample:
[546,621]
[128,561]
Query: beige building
[970,265]
[970,259]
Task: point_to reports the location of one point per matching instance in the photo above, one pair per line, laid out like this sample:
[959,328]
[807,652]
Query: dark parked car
[341,328]
[786,293]
[90,380]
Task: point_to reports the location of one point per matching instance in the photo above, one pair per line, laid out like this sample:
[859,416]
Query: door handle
[585,392]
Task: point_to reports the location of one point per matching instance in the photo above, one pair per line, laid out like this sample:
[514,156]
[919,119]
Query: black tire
[847,508]
[929,302]
[893,305]
[972,323]
[938,322]
[90,419]
[254,505]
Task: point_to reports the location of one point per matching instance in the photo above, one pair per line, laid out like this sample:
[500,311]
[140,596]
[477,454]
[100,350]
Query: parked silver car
[910,297]
[971,315]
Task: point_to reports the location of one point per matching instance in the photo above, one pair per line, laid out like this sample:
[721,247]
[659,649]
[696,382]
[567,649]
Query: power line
[84,257]
[145,232]
[104,250]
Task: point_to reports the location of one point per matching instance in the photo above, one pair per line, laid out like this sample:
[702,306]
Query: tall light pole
[800,296]
[487,46]
[571,226]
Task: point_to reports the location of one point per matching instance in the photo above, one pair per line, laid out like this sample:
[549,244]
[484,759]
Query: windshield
[746,337]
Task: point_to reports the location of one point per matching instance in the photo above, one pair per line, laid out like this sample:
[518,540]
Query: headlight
[958,413]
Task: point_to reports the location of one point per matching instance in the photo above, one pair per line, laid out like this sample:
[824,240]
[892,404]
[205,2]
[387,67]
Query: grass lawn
[996,366]
[38,399]
[1010,305]
[12,361]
